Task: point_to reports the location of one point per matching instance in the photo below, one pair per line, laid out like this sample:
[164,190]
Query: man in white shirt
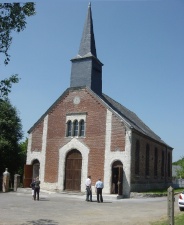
[99,186]
[88,189]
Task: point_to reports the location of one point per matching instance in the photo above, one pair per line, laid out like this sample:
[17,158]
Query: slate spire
[87,45]
[86,67]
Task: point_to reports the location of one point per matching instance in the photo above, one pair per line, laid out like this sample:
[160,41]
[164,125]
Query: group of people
[35,185]
[98,188]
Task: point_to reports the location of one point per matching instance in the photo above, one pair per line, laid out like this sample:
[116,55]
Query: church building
[85,132]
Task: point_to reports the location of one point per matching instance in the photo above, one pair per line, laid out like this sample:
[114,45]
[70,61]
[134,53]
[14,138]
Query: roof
[88,40]
[133,121]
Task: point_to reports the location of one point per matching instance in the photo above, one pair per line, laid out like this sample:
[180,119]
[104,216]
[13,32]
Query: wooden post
[16,181]
[170,205]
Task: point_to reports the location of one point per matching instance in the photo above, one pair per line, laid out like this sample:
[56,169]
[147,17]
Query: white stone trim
[84,150]
[127,164]
[111,157]
[28,159]
[40,156]
[76,117]
[43,152]
[107,168]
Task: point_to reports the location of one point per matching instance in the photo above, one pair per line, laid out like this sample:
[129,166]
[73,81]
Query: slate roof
[132,119]
[88,40]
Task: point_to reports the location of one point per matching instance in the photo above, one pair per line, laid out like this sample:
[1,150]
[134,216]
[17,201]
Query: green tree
[180,172]
[12,18]
[22,156]
[10,135]
[6,84]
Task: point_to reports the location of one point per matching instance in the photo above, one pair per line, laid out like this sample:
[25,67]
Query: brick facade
[107,139]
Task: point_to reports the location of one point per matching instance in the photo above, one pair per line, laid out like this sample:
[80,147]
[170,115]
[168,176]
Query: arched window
[169,164]
[156,162]
[69,129]
[147,159]
[81,128]
[75,128]
[137,157]
[77,125]
[163,164]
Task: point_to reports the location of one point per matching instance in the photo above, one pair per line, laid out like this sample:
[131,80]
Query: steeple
[87,45]
[86,68]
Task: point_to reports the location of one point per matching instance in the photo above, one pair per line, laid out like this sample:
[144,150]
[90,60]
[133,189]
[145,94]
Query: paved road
[18,208]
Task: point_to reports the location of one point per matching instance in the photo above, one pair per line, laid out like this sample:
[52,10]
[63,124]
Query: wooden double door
[73,168]
[117,178]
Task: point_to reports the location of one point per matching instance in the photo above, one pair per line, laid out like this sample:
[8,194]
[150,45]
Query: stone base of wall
[149,186]
[142,195]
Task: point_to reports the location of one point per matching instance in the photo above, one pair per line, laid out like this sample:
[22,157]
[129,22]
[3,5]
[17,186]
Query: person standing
[32,185]
[88,189]
[99,186]
[114,184]
[37,189]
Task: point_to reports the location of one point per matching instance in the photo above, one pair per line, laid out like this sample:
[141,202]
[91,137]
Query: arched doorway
[73,167]
[30,172]
[117,178]
[36,168]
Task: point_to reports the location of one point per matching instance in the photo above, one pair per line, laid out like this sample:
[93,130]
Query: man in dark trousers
[37,189]
[99,186]
[32,185]
[88,189]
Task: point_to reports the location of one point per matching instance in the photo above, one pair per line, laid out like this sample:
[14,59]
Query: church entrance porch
[117,178]
[30,172]
[73,167]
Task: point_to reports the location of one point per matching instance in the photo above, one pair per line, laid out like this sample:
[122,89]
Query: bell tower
[86,67]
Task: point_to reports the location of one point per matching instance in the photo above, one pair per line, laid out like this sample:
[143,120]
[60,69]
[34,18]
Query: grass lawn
[178,220]
[178,190]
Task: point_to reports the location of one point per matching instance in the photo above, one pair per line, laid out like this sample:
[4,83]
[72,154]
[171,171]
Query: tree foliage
[22,156]
[180,172]
[12,18]
[6,84]
[12,153]
[10,135]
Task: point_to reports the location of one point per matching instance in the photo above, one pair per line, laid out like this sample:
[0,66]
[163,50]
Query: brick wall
[141,181]
[118,135]
[37,137]
[94,135]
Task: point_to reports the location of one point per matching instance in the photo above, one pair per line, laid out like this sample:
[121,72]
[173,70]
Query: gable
[130,119]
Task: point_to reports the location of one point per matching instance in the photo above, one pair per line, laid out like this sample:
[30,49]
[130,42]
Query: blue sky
[140,43]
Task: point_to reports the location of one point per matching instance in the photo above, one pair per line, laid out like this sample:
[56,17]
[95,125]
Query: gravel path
[56,209]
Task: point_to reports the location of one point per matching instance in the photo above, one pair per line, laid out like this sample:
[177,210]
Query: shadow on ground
[41,222]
